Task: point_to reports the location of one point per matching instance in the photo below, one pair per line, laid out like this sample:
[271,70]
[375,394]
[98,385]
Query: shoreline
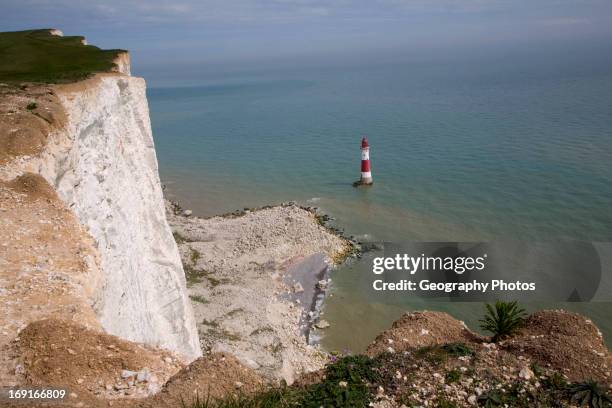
[257,279]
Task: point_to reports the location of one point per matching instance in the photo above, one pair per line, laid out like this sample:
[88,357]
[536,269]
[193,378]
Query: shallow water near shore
[460,152]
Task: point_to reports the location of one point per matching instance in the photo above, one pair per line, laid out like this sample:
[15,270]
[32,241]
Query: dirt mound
[561,322]
[419,329]
[48,265]
[27,116]
[34,186]
[61,353]
[101,370]
[564,341]
[214,376]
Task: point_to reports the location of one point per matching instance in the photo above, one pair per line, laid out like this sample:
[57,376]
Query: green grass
[346,384]
[199,299]
[194,256]
[274,398]
[179,238]
[590,393]
[444,403]
[433,354]
[193,276]
[38,56]
[439,353]
[453,376]
[458,349]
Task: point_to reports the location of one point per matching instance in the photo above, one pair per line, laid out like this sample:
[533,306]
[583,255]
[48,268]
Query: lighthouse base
[363,182]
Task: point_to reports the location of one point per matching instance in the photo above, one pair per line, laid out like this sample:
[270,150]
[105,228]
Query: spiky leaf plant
[591,394]
[503,319]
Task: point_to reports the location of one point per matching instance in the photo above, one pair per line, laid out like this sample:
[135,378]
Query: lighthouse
[366,171]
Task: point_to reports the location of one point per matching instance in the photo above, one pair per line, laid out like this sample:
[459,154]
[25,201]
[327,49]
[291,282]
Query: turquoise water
[460,152]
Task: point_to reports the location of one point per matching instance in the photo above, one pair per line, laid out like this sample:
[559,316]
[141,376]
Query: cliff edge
[91,142]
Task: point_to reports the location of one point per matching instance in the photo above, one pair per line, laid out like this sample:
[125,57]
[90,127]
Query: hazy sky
[213,31]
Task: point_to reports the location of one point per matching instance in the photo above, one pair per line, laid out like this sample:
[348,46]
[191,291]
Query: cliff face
[109,177]
[103,166]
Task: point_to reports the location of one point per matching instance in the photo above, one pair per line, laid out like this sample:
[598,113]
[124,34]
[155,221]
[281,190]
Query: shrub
[444,403]
[556,382]
[458,349]
[503,319]
[589,393]
[434,354]
[453,376]
[537,369]
[199,299]
[345,384]
[31,106]
[491,399]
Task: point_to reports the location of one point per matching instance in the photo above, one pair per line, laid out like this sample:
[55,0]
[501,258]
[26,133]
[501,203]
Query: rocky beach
[253,279]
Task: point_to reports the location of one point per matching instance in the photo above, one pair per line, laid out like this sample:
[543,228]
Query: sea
[513,146]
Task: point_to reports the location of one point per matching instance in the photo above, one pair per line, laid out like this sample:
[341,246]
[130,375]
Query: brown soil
[62,353]
[215,376]
[48,264]
[90,364]
[418,329]
[566,342]
[33,186]
[27,116]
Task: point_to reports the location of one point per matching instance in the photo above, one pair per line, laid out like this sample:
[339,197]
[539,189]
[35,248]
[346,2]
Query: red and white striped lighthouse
[366,171]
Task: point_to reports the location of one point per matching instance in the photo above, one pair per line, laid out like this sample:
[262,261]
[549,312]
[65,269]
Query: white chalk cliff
[104,167]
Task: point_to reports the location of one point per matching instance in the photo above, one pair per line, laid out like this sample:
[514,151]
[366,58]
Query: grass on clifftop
[38,56]
[346,384]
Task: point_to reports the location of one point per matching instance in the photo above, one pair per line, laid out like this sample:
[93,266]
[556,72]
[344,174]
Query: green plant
[178,237]
[438,354]
[453,376]
[406,399]
[503,319]
[345,384]
[31,106]
[282,397]
[556,382]
[194,256]
[199,299]
[491,399]
[433,354]
[589,393]
[537,369]
[444,403]
[458,349]
[193,276]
